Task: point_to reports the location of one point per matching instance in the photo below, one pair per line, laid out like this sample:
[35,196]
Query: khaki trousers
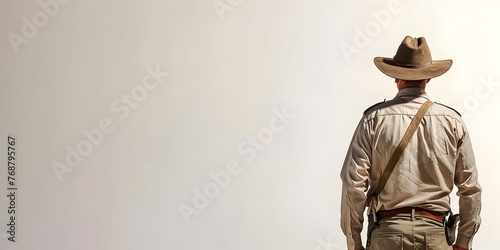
[405,233]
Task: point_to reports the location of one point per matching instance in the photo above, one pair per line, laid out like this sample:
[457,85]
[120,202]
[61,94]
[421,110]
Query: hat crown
[413,53]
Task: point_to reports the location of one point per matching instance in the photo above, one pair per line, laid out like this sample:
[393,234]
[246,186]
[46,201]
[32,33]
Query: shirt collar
[417,92]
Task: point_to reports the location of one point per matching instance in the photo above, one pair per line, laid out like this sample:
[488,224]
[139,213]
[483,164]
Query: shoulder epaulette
[372,106]
[449,108]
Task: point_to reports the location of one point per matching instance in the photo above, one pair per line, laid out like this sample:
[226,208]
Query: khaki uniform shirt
[438,156]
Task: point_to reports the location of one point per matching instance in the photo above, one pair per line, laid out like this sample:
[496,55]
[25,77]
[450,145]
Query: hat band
[408,65]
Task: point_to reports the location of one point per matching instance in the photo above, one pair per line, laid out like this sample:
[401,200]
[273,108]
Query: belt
[411,212]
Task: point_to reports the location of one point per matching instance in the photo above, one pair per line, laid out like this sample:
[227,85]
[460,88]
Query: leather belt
[411,212]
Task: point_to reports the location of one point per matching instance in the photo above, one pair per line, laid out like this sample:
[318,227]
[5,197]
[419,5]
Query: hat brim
[434,69]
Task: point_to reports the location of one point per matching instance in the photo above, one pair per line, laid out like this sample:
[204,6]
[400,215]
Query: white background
[229,71]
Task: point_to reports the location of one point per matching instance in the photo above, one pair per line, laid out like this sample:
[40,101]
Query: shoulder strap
[399,150]
[372,106]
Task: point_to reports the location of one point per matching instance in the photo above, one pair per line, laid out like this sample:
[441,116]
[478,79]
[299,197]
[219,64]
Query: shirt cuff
[464,242]
[357,241]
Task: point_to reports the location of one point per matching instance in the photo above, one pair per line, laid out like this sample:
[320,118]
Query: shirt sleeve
[469,192]
[354,176]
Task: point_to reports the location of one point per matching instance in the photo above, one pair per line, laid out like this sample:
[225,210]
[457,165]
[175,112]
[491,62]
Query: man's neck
[407,86]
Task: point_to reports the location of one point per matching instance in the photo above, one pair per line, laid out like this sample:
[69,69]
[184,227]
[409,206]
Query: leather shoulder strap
[399,150]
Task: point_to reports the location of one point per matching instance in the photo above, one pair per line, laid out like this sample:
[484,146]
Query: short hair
[421,81]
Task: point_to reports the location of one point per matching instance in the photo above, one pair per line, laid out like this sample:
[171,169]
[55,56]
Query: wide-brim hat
[413,61]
